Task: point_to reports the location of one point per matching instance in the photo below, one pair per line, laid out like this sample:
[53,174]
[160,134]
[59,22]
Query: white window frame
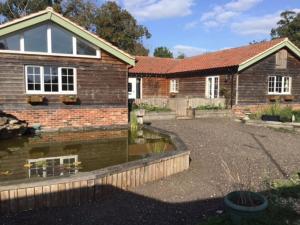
[207,94]
[174,86]
[60,91]
[49,48]
[282,85]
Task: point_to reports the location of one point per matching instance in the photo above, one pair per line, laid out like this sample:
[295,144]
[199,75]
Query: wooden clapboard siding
[99,81]
[155,87]
[76,191]
[253,82]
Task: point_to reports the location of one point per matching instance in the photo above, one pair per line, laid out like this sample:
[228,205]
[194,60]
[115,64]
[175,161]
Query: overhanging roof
[239,58]
[50,15]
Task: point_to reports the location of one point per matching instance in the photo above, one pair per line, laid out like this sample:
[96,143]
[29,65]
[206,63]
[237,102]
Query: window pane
[35,40]
[10,43]
[271,84]
[216,88]
[67,79]
[85,49]
[278,88]
[61,41]
[51,79]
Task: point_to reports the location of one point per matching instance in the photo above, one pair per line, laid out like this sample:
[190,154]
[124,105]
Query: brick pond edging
[91,186]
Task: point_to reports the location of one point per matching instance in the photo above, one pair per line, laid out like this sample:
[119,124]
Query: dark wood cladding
[253,82]
[99,81]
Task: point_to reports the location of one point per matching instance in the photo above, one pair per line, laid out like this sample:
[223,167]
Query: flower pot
[270,118]
[240,213]
[274,98]
[68,99]
[35,99]
[289,98]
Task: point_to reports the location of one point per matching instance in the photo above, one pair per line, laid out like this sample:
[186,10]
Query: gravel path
[254,153]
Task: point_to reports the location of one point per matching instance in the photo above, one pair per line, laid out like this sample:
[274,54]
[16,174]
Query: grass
[152,108]
[284,205]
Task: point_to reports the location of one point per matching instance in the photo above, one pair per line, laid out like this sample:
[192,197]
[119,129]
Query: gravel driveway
[254,153]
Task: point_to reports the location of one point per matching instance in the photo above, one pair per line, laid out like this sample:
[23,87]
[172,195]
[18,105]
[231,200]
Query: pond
[63,154]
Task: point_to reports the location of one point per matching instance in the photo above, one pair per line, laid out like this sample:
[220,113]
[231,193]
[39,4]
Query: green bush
[296,113]
[286,114]
[210,107]
[152,108]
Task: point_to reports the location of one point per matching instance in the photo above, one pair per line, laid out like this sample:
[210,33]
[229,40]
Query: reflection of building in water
[53,166]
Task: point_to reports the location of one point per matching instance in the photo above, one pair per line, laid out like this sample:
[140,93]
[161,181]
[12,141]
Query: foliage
[284,199]
[210,107]
[152,108]
[119,27]
[285,113]
[133,122]
[226,93]
[288,26]
[109,20]
[181,56]
[163,52]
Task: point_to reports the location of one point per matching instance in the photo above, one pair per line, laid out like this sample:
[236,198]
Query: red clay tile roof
[220,59]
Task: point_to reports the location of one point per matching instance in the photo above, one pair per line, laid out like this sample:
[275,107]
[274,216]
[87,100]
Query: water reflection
[63,154]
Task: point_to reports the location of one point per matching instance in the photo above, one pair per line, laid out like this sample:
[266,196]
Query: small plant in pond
[157,147]
[133,122]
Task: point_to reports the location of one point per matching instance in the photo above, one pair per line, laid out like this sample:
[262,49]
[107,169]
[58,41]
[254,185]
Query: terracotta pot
[35,99]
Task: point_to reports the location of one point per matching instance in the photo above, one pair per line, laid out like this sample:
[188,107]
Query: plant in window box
[35,99]
[68,99]
[289,98]
[274,98]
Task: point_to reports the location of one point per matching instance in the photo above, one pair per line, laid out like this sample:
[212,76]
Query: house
[242,77]
[56,74]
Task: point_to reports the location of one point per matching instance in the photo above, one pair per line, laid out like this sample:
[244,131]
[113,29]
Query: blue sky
[197,26]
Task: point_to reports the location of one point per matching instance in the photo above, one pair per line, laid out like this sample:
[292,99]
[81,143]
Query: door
[132,88]
[212,87]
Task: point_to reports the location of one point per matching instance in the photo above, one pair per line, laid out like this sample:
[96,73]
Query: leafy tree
[163,52]
[288,26]
[12,9]
[181,56]
[109,21]
[120,28]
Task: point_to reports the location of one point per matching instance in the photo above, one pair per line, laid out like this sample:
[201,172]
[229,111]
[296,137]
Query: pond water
[61,154]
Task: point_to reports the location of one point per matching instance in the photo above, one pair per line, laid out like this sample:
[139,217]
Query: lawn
[284,205]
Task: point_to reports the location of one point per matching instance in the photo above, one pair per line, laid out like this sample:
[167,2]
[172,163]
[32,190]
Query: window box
[173,94]
[68,99]
[274,98]
[35,99]
[289,98]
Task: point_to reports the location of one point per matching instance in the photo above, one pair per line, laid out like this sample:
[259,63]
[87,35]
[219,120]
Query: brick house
[247,76]
[57,74]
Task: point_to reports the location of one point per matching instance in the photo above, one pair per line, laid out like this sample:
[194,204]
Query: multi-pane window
[50,80]
[212,87]
[67,77]
[174,86]
[34,78]
[48,38]
[279,85]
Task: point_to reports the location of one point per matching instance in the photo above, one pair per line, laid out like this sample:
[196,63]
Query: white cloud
[221,14]
[188,50]
[258,25]
[158,9]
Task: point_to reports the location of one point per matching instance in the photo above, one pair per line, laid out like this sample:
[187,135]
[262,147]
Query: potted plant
[242,204]
[35,99]
[68,99]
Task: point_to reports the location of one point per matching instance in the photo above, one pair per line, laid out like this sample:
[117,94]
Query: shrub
[210,107]
[296,113]
[286,114]
[153,108]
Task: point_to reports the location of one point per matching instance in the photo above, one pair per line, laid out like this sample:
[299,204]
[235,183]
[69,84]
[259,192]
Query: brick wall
[52,118]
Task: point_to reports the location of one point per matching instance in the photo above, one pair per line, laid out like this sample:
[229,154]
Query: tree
[163,52]
[119,27]
[288,26]
[109,21]
[12,9]
[181,56]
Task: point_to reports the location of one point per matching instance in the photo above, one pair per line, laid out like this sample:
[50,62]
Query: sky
[197,26]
